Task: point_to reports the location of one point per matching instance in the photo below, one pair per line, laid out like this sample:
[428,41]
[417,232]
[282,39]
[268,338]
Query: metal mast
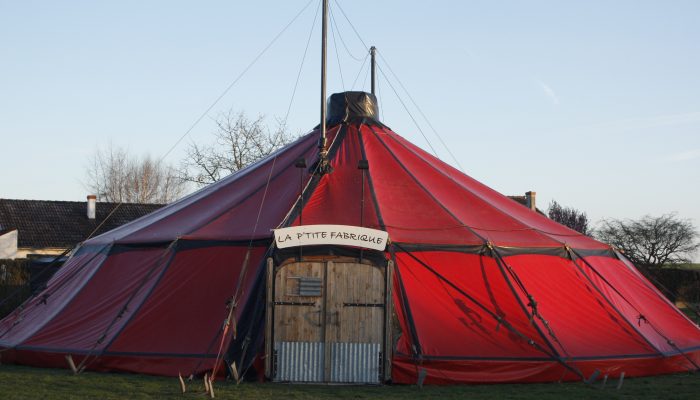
[322,150]
[372,52]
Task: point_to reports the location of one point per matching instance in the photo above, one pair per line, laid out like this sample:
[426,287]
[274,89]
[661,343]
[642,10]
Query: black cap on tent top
[352,107]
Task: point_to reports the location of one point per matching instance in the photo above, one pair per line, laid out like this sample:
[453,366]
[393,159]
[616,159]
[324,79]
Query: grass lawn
[18,382]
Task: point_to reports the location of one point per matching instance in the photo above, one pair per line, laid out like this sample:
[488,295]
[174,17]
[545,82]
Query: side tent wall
[580,323]
[152,310]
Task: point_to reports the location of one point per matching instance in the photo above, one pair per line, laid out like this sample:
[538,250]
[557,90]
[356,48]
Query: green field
[17,382]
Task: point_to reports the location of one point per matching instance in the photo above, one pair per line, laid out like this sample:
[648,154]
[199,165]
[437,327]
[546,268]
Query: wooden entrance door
[327,322]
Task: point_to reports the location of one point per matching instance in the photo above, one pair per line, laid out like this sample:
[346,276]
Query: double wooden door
[328,321]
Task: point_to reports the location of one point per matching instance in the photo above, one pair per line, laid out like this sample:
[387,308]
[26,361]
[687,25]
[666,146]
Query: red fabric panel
[81,324]
[488,221]
[410,213]
[237,223]
[185,312]
[215,201]
[446,372]
[635,296]
[583,322]
[60,291]
[404,342]
[448,323]
[503,203]
[337,198]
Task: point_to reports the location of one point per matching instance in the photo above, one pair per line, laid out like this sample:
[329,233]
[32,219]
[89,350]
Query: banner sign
[341,235]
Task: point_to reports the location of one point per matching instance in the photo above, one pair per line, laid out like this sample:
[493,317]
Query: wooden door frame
[386,346]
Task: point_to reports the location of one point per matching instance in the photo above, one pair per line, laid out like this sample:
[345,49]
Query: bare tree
[568,216]
[117,176]
[238,142]
[652,241]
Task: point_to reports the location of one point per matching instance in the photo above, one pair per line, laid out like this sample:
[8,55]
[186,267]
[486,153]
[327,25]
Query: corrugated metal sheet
[299,362]
[350,362]
[355,362]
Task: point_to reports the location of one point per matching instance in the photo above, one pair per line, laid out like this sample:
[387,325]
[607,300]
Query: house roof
[47,223]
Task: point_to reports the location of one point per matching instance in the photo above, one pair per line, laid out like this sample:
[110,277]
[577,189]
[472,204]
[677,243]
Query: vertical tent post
[372,52]
[323,152]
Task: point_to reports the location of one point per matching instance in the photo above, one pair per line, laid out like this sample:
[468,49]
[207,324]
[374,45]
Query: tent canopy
[486,290]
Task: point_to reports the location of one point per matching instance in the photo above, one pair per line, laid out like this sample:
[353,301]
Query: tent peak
[350,106]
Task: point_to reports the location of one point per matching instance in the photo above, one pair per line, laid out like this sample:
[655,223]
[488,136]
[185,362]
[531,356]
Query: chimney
[530,200]
[91,205]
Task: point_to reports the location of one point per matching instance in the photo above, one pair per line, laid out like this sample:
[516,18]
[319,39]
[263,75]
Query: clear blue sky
[595,104]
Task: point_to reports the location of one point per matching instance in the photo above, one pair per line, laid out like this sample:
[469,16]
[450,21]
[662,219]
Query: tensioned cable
[501,320]
[351,25]
[421,112]
[333,21]
[337,54]
[238,78]
[407,111]
[228,88]
[362,67]
[409,95]
[387,79]
[379,94]
[301,66]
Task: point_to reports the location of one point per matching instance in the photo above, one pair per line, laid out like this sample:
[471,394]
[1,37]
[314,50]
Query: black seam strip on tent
[538,231]
[113,353]
[257,320]
[669,341]
[419,184]
[655,285]
[524,308]
[370,181]
[106,249]
[505,251]
[193,198]
[309,190]
[185,244]
[496,317]
[94,351]
[534,313]
[254,192]
[173,355]
[118,248]
[576,358]
[413,331]
[227,322]
[503,212]
[610,303]
[133,315]
[528,314]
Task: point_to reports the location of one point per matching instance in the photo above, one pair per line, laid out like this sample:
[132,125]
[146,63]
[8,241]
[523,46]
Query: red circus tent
[484,289]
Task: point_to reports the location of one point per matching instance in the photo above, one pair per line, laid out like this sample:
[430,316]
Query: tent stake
[71,364]
[622,379]
[183,388]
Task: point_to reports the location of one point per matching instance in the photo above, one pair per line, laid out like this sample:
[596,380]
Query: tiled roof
[63,224]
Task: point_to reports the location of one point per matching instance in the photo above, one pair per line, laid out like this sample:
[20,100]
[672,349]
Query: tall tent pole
[373,52]
[323,153]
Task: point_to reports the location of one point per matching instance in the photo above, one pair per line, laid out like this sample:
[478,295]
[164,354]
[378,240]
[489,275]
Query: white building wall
[8,245]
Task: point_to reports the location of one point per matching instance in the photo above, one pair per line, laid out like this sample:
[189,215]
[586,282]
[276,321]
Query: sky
[595,104]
